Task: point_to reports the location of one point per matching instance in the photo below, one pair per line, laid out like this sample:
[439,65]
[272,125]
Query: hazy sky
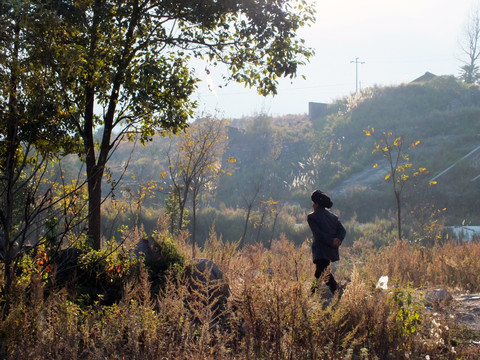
[398,41]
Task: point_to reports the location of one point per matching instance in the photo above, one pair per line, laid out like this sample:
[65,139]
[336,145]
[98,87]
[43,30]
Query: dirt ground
[466,309]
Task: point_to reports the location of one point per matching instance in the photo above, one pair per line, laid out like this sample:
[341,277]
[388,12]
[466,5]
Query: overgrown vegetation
[270,313]
[115,273]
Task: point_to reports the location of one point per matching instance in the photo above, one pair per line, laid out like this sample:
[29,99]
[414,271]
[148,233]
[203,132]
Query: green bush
[163,256]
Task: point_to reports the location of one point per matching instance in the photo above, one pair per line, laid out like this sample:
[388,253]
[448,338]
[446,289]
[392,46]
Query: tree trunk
[94,176]
[182,202]
[7,215]
[399,216]
[242,239]
[12,145]
[181,209]
[273,230]
[260,227]
[94,208]
[94,170]
[8,202]
[194,222]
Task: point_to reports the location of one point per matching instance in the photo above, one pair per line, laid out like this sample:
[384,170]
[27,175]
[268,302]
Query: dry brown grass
[451,265]
[270,314]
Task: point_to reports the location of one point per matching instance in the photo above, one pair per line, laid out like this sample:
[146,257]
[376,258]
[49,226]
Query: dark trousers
[321,268]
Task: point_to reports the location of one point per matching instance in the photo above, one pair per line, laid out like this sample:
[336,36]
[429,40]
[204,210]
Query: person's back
[328,234]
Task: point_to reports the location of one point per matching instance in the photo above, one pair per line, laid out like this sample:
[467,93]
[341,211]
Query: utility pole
[356,71]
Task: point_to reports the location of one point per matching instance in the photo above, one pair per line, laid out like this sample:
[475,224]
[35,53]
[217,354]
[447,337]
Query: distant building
[316,110]
[425,77]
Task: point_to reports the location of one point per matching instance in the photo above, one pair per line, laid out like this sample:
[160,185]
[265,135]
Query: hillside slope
[443,114]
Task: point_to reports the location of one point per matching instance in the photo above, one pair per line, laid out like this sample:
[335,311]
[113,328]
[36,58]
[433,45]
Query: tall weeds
[452,265]
[271,313]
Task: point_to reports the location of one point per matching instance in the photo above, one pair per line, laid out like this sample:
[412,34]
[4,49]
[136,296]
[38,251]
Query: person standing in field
[328,234]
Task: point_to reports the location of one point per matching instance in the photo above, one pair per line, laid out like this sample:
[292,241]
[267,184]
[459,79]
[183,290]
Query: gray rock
[209,291]
[206,273]
[438,297]
[143,247]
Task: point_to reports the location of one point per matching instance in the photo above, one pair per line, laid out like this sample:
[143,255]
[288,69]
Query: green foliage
[407,308]
[133,62]
[379,233]
[267,154]
[401,110]
[110,264]
[30,105]
[228,223]
[366,204]
[195,164]
[329,151]
[33,129]
[469,73]
[172,210]
[33,265]
[163,257]
[102,273]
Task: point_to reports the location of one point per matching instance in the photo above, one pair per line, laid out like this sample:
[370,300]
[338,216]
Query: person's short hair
[321,199]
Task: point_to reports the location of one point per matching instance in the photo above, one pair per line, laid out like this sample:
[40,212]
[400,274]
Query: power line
[356,71]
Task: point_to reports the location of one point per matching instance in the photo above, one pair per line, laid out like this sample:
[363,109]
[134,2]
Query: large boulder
[209,289]
[205,273]
[160,255]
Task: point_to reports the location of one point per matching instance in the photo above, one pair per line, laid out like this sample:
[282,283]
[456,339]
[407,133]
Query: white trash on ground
[382,283]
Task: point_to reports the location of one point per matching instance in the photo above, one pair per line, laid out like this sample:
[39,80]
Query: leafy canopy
[137,53]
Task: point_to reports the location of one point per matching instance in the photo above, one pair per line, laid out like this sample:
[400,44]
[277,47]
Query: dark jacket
[325,227]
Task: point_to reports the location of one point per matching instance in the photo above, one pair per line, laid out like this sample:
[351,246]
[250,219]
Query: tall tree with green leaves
[124,66]
[33,130]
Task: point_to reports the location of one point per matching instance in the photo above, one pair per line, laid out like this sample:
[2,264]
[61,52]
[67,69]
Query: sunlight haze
[397,41]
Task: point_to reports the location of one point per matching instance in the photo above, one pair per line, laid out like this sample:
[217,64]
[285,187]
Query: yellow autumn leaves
[392,151]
